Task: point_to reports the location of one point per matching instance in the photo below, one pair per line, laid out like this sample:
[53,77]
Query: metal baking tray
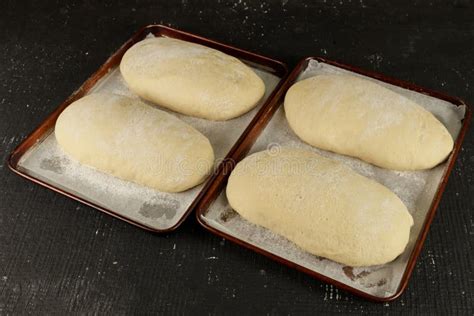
[39,158]
[421,191]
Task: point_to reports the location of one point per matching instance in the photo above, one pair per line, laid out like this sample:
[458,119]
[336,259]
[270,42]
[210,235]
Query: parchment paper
[415,188]
[157,210]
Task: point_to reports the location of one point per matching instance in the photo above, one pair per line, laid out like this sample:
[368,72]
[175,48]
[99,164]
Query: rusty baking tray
[272,70]
[214,213]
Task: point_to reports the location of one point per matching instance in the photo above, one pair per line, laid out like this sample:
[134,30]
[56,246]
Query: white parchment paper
[157,210]
[415,188]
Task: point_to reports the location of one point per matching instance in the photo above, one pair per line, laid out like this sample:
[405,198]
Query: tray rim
[275,66]
[219,180]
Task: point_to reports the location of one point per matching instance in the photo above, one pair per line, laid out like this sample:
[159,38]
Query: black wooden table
[57,255]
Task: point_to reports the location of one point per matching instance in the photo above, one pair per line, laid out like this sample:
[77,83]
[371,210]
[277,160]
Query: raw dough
[356,117]
[191,79]
[134,141]
[321,205]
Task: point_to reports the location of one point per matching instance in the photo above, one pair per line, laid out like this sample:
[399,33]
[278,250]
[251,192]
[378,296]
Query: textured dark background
[57,255]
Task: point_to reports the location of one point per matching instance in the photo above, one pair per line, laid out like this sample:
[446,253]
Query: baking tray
[39,158]
[378,283]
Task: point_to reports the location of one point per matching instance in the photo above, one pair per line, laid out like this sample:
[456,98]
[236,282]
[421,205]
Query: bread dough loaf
[191,79]
[356,117]
[321,205]
[134,141]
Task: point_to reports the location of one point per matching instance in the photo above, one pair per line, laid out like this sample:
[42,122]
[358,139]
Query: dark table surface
[57,255]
